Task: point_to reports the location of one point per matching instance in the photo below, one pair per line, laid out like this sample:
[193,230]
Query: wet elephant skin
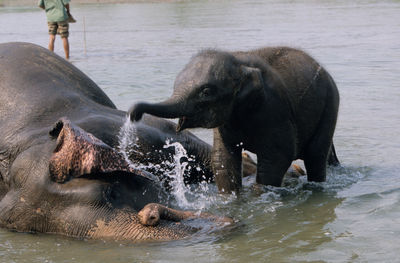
[277,102]
[59,170]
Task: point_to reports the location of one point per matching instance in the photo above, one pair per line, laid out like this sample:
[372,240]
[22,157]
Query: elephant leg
[227,164]
[315,161]
[317,152]
[270,171]
[332,158]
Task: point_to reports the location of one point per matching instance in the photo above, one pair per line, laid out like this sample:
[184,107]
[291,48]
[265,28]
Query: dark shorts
[60,28]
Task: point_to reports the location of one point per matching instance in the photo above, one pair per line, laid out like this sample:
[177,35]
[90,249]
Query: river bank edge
[30,3]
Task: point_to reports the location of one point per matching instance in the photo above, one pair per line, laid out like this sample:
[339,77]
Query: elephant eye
[207,90]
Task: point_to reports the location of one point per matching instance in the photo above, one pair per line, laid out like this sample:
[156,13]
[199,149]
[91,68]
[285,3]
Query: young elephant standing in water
[278,103]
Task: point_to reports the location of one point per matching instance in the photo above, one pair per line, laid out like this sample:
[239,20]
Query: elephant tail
[332,158]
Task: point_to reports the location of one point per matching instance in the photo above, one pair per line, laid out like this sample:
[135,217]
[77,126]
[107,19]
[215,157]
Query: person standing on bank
[58,15]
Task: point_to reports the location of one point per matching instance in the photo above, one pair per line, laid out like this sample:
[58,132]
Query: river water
[134,51]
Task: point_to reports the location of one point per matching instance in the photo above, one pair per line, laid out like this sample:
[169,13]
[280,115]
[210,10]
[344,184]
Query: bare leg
[51,42]
[66,47]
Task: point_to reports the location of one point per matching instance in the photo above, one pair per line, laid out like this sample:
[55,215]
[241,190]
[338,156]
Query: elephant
[277,102]
[60,170]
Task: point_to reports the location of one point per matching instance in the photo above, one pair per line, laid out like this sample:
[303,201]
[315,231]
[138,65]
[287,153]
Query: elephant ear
[251,88]
[79,153]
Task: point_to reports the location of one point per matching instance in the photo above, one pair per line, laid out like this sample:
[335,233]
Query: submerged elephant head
[206,91]
[75,184]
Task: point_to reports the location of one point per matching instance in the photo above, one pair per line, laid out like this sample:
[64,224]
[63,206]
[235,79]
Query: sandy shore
[34,2]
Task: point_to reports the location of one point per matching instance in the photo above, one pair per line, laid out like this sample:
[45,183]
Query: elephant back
[37,87]
[30,74]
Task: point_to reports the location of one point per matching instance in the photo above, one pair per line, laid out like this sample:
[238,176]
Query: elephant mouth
[80,154]
[182,124]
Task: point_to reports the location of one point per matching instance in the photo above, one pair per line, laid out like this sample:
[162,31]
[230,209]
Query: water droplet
[193,197]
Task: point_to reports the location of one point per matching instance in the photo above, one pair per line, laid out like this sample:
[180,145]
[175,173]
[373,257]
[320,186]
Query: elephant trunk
[152,213]
[154,222]
[169,109]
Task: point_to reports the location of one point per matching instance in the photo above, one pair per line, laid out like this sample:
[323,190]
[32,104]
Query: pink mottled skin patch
[80,153]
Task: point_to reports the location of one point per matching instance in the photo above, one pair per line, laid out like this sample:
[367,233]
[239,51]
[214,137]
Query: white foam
[197,197]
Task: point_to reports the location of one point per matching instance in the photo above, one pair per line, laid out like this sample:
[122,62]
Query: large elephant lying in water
[59,170]
[278,103]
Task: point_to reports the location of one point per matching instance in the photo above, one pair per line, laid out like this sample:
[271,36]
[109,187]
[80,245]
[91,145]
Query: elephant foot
[152,213]
[248,164]
[295,171]
[291,178]
[250,167]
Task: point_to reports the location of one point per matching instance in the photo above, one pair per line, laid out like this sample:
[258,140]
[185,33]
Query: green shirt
[55,9]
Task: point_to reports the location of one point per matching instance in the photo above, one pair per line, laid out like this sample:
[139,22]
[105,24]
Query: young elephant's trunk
[169,109]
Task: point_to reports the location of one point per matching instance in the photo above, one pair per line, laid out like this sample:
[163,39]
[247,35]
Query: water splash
[126,138]
[179,189]
[130,148]
[197,197]
[205,196]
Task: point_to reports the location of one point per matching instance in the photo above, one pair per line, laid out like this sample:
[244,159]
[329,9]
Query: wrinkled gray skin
[59,169]
[278,103]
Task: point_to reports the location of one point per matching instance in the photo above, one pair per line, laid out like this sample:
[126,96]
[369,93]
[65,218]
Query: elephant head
[207,91]
[82,187]
[76,185]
